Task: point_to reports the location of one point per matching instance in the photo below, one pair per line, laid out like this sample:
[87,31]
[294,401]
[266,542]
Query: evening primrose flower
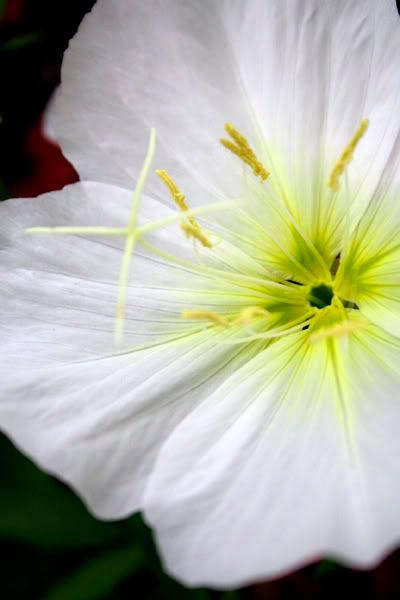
[248,401]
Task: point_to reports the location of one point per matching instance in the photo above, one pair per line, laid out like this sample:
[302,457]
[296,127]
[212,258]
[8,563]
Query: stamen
[275,332]
[200,210]
[205,315]
[241,147]
[248,314]
[196,233]
[244,317]
[347,156]
[175,192]
[337,330]
[191,226]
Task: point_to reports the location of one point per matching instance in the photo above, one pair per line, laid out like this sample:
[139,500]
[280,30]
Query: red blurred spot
[48,169]
[14,11]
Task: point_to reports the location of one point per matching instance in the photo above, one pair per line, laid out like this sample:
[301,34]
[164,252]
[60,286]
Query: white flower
[262,430]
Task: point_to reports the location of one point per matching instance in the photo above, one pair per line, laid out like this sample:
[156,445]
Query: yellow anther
[190,226]
[205,315]
[244,317]
[175,192]
[241,147]
[196,233]
[248,314]
[347,156]
[337,330]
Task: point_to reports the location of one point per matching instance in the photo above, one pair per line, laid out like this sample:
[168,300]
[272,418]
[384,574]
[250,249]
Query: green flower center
[320,295]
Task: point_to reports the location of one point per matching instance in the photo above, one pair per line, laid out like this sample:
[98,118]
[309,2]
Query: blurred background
[51,547]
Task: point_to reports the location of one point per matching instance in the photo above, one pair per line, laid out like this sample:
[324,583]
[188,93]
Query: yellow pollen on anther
[190,226]
[337,330]
[175,192]
[205,315]
[248,314]
[196,233]
[241,147]
[347,156]
[244,317]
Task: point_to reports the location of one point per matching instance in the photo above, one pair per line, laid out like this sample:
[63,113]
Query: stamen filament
[238,279]
[308,274]
[204,209]
[290,327]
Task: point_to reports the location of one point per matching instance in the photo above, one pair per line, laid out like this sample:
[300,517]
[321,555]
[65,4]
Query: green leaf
[37,509]
[21,41]
[98,577]
[169,589]
[52,520]
[325,568]
[3,5]
[198,595]
[4,193]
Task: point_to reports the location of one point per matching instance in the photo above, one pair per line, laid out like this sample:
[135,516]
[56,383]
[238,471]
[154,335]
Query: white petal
[93,414]
[47,119]
[97,422]
[301,74]
[312,71]
[134,65]
[278,467]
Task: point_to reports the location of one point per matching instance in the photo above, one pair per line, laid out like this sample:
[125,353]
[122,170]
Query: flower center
[320,295]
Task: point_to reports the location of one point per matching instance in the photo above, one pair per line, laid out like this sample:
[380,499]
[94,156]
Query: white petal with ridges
[312,70]
[280,467]
[136,65]
[89,412]
[297,77]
